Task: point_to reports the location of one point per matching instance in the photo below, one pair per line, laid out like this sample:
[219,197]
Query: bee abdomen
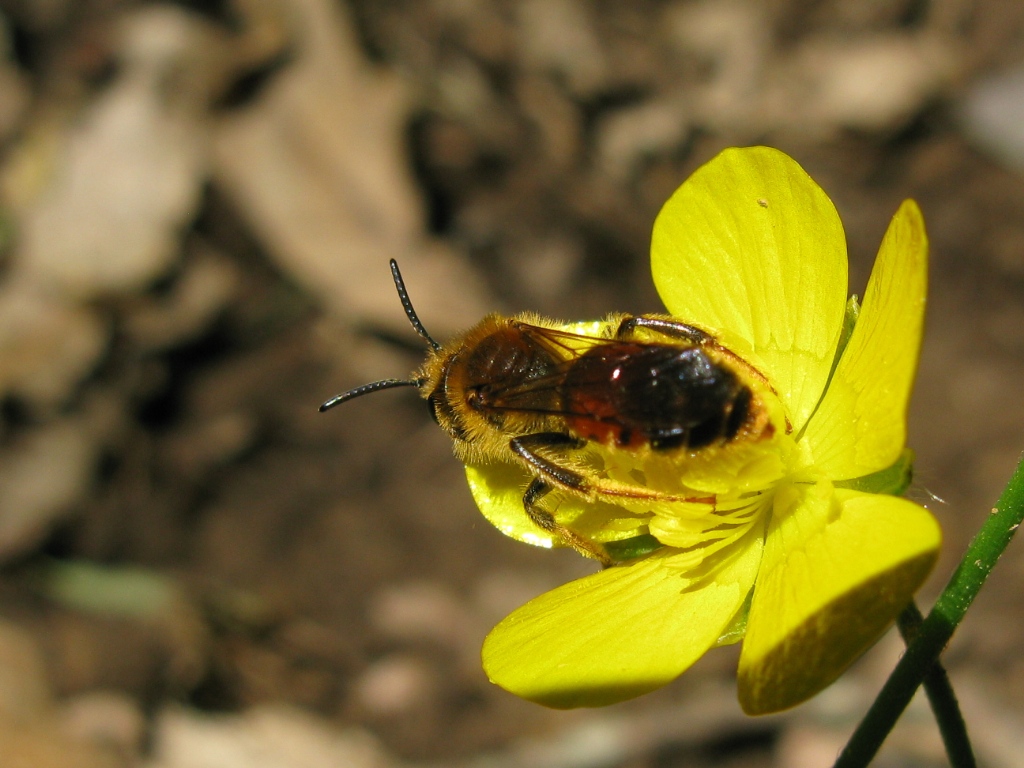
[630,394]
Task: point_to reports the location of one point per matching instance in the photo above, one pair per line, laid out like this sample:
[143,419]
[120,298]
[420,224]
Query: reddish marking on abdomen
[604,432]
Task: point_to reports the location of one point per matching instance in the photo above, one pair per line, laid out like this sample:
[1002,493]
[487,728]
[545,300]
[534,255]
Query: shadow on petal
[838,568]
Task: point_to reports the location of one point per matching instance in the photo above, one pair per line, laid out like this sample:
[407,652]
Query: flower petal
[860,426]
[750,247]
[838,566]
[498,491]
[622,632]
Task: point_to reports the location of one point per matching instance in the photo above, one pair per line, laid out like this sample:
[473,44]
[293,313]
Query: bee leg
[677,330]
[523,447]
[546,521]
[554,474]
[672,328]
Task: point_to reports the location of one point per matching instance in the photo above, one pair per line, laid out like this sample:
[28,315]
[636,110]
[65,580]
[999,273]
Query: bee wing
[564,344]
[534,394]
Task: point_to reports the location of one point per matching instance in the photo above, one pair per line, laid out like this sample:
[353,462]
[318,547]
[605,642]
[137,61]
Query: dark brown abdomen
[666,396]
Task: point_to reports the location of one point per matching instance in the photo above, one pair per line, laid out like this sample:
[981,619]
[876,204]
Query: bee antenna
[366,389]
[407,306]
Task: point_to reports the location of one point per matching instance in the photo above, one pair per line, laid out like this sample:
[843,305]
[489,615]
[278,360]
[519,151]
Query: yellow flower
[803,554]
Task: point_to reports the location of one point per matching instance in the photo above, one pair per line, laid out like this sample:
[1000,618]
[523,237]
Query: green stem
[936,630]
[941,697]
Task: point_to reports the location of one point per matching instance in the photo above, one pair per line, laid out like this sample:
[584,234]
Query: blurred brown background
[198,204]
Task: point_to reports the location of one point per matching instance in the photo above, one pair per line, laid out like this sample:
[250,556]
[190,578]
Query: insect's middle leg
[560,476]
[525,447]
[551,474]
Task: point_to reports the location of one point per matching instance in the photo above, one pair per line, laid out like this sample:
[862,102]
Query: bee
[521,390]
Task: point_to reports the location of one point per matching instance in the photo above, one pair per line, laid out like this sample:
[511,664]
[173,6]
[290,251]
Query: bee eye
[432,406]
